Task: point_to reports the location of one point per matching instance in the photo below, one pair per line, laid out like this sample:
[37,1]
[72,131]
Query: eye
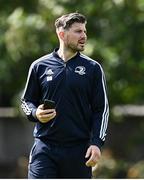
[78,31]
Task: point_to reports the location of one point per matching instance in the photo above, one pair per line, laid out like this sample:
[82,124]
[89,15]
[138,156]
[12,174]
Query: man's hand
[94,154]
[46,115]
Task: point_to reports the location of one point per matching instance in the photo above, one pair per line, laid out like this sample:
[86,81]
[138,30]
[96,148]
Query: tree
[115,39]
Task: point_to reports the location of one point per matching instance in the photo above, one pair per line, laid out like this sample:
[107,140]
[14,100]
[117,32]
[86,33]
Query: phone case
[49,104]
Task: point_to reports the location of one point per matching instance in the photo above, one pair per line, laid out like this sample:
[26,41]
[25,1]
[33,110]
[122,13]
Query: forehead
[81,26]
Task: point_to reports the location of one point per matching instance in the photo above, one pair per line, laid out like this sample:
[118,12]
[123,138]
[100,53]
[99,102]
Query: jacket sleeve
[30,98]
[100,108]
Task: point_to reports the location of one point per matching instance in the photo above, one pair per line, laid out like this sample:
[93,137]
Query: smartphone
[49,104]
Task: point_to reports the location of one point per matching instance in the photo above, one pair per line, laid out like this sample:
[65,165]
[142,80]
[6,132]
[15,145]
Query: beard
[76,47]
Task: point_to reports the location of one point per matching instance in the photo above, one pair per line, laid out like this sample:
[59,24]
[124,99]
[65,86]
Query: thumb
[88,152]
[40,106]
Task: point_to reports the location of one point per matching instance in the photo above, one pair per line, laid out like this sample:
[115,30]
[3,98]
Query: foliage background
[115,39]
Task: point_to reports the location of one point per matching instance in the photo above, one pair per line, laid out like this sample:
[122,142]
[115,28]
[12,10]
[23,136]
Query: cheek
[67,39]
[73,39]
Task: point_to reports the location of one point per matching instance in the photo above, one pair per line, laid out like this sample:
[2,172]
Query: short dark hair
[67,20]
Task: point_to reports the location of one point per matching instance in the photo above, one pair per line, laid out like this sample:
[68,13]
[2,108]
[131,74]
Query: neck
[65,53]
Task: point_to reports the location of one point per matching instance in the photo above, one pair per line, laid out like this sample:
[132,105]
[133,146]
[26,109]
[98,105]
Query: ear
[61,35]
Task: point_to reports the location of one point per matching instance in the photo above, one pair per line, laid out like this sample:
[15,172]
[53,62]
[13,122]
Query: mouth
[82,42]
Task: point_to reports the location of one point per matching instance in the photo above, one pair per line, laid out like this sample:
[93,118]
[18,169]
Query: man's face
[75,37]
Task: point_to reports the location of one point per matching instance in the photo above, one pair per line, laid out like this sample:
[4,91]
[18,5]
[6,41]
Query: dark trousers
[57,161]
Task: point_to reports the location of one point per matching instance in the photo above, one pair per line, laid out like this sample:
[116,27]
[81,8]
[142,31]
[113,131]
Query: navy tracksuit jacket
[78,88]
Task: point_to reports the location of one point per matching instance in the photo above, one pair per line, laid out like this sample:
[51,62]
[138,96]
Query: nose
[84,35]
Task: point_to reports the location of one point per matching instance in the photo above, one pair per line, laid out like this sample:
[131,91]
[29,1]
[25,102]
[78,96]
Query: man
[68,138]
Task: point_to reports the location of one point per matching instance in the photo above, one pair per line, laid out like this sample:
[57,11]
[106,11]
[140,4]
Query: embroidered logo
[80,70]
[49,74]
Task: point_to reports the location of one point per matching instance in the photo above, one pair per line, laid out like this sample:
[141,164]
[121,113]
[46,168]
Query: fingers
[47,111]
[45,115]
[88,153]
[94,153]
[40,106]
[44,118]
[92,161]
[90,164]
